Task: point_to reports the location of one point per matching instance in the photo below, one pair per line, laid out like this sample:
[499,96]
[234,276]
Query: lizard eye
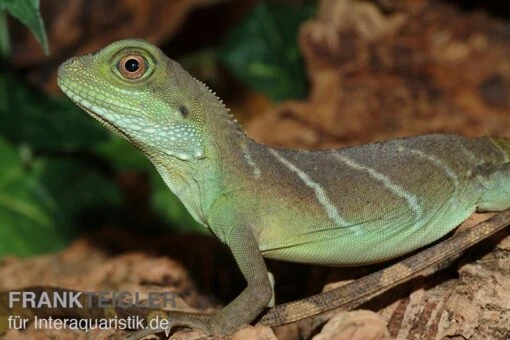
[132,66]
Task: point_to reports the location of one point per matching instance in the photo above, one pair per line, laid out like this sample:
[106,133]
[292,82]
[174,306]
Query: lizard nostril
[73,61]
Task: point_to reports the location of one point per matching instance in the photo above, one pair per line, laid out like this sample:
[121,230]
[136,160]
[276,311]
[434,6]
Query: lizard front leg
[246,306]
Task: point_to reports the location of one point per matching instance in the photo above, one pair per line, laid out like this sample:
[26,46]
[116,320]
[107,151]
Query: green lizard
[344,207]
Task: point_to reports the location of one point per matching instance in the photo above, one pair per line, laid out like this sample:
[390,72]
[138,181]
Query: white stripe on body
[411,199]
[320,194]
[250,161]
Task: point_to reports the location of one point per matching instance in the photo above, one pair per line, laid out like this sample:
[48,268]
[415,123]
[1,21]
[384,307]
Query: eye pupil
[132,65]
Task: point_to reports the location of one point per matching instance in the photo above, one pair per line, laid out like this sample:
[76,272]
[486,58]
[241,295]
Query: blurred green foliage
[58,167]
[42,199]
[31,118]
[263,51]
[44,190]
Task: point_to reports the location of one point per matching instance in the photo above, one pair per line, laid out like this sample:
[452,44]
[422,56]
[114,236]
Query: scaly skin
[346,207]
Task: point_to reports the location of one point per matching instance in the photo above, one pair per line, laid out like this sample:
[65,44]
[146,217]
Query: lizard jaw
[92,109]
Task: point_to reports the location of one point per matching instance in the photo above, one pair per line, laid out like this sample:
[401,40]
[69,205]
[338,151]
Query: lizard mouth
[87,106]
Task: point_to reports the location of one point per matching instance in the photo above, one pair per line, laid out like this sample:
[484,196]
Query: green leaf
[31,118]
[41,206]
[27,11]
[5,43]
[263,51]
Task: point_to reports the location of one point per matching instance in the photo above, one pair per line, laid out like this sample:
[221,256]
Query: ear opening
[183,110]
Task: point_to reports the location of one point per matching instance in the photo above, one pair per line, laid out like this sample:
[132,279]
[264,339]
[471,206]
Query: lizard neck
[200,182]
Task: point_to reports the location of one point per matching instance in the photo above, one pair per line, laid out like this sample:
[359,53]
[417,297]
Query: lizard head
[137,92]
